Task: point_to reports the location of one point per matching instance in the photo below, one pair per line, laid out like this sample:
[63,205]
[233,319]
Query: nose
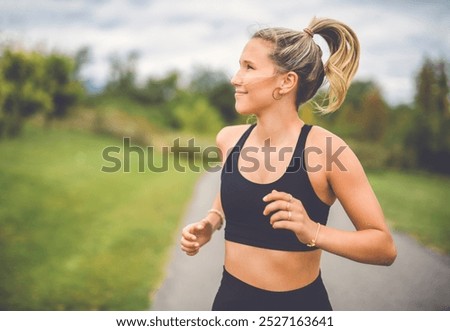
[236,79]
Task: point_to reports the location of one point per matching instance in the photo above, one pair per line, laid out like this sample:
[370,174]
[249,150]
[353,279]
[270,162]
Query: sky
[395,35]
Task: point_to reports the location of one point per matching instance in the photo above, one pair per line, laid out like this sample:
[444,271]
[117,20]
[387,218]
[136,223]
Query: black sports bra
[243,205]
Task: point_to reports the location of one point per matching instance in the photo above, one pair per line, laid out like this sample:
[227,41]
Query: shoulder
[336,156]
[229,135]
[321,138]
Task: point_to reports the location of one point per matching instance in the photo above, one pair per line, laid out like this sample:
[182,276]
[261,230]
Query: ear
[289,82]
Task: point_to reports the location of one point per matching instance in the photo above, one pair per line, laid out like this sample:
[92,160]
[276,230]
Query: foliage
[81,58]
[201,107]
[194,113]
[123,73]
[168,96]
[363,115]
[430,133]
[33,82]
[405,136]
[415,135]
[23,92]
[216,87]
[60,83]
[158,91]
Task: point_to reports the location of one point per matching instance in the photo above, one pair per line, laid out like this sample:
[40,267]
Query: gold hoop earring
[279,94]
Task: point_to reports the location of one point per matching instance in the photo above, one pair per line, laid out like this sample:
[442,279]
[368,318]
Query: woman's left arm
[346,180]
[372,241]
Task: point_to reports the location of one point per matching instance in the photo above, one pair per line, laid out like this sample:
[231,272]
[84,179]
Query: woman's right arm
[195,235]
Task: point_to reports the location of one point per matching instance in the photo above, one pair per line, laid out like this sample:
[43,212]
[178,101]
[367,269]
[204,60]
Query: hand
[195,235]
[289,213]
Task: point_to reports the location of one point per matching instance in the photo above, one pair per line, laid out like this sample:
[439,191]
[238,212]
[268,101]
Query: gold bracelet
[221,215]
[313,242]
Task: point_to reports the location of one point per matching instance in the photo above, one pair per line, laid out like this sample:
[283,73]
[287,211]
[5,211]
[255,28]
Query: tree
[33,82]
[61,84]
[442,93]
[23,92]
[430,134]
[194,113]
[123,73]
[425,85]
[363,115]
[158,91]
[216,87]
[81,58]
[375,116]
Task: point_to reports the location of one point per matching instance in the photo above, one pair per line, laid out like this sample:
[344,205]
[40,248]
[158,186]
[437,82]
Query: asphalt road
[418,280]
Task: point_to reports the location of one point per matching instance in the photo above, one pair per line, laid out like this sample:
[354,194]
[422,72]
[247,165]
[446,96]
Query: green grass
[416,203]
[108,103]
[75,238]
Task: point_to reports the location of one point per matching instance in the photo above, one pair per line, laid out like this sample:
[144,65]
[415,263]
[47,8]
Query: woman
[280,176]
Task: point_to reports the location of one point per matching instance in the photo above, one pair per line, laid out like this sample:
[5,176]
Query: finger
[292,226]
[189,249]
[292,205]
[276,195]
[190,231]
[277,205]
[186,233]
[282,215]
[189,244]
[192,253]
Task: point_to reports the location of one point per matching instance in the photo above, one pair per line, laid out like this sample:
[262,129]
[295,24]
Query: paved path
[418,280]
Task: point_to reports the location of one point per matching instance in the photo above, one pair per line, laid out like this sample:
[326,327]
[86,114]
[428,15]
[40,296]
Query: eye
[249,67]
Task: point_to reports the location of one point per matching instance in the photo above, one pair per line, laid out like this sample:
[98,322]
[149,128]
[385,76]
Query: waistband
[237,284]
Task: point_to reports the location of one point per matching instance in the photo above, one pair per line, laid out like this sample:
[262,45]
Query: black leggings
[234,294]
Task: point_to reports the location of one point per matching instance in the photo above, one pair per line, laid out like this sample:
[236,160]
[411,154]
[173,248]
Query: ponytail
[343,62]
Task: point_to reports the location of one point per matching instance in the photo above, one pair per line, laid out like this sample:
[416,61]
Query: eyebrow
[246,61]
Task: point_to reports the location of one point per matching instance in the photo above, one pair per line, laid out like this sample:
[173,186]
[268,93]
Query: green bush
[33,82]
[195,114]
[372,155]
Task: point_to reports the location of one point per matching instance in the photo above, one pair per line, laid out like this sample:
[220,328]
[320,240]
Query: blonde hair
[296,51]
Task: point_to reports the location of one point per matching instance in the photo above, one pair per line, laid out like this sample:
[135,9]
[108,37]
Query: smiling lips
[240,92]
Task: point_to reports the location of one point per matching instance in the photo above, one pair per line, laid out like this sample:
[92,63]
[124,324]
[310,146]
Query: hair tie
[309,32]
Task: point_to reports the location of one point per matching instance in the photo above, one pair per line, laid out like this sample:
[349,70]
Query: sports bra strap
[244,137]
[303,135]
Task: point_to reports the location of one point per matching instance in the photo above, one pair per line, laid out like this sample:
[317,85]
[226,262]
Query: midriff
[269,269]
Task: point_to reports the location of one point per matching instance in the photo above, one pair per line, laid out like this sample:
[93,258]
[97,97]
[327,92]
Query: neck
[277,123]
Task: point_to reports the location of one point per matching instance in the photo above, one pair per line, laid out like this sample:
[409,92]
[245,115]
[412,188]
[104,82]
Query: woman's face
[256,78]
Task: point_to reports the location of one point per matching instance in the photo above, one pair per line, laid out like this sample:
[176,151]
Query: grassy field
[75,238]
[416,203]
